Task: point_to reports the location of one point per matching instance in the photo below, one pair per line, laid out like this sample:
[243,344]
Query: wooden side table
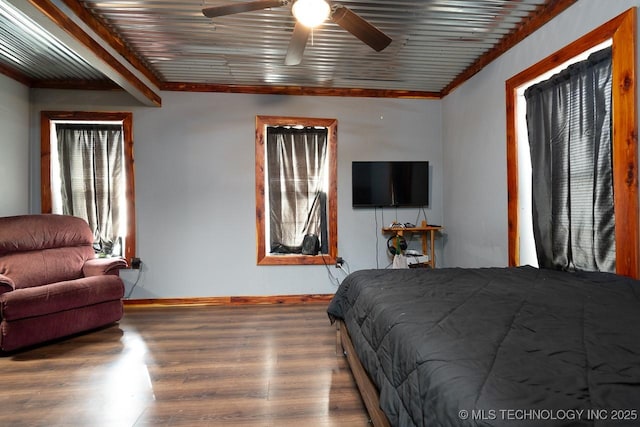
[428,236]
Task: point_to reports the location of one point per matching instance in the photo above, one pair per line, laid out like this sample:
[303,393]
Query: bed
[493,346]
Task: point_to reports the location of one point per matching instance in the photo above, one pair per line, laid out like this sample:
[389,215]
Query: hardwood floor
[188,366]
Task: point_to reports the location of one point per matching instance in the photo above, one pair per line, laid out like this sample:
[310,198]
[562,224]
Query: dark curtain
[296,174]
[91,167]
[569,127]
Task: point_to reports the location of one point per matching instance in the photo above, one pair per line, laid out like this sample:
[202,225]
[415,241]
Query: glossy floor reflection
[188,366]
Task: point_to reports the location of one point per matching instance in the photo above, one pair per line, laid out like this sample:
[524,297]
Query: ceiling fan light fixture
[311,13]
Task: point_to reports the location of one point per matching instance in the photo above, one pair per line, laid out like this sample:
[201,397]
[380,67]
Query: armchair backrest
[41,249]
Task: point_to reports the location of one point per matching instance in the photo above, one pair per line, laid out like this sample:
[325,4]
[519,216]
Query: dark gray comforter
[509,347]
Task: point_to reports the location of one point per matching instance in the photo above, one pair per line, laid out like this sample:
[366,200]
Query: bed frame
[367,388]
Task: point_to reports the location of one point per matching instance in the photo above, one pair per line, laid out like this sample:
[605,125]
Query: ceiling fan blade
[297,44]
[249,6]
[360,28]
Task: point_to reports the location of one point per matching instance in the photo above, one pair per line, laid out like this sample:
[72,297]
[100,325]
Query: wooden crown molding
[15,75]
[537,18]
[298,91]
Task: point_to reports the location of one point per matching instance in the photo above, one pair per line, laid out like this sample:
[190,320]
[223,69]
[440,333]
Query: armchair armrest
[101,266]
[6,284]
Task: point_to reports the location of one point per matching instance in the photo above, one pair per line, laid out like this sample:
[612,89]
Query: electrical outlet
[339,262]
[136,263]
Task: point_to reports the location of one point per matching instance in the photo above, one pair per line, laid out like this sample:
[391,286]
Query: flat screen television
[390,184]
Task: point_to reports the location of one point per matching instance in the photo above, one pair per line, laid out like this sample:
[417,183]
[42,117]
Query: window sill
[297,259]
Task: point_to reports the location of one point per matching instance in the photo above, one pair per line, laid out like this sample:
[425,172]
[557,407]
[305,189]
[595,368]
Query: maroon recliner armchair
[51,283]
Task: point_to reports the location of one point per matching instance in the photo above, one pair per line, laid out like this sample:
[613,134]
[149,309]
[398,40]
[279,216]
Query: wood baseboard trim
[237,300]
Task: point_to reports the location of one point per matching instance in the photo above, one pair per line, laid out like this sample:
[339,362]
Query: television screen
[383,184]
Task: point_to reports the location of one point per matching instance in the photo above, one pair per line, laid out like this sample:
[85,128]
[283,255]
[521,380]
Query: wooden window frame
[46,119]
[264,258]
[622,31]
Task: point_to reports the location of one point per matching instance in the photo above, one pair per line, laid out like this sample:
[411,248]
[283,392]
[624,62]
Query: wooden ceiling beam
[69,29]
[115,41]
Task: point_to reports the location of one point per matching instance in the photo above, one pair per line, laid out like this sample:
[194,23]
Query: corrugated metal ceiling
[433,42]
[28,48]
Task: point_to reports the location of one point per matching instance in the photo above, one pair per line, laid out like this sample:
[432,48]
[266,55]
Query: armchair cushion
[37,250]
[41,267]
[32,232]
[57,297]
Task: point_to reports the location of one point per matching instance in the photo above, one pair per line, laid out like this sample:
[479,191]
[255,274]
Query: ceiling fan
[309,14]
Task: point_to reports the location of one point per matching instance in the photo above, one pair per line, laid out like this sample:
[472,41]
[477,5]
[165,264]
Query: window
[87,171]
[569,141]
[296,212]
[621,31]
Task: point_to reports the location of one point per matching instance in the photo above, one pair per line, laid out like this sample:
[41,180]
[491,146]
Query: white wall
[14,147]
[474,138]
[195,194]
